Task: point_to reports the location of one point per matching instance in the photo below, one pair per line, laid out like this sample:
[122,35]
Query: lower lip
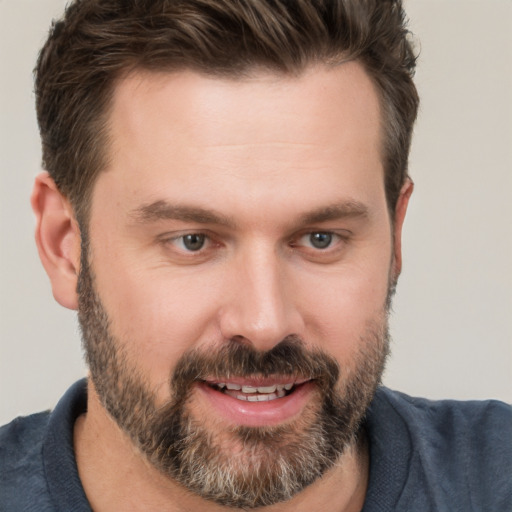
[257,414]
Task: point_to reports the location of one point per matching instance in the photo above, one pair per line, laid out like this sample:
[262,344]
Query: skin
[265,156]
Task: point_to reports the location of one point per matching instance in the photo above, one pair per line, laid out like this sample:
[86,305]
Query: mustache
[235,358]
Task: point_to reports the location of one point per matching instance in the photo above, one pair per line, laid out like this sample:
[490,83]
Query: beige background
[452,325]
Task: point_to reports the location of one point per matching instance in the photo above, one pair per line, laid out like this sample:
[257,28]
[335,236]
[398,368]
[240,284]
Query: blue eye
[320,240]
[193,242]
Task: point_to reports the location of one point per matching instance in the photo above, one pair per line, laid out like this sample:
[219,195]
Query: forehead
[261,106]
[173,131]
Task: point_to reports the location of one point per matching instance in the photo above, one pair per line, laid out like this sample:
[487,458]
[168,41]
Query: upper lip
[257,382]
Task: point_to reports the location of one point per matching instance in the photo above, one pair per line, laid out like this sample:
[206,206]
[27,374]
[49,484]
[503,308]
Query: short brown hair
[97,41]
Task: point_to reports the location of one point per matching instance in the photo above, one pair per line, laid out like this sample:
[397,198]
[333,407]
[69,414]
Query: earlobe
[58,239]
[400,211]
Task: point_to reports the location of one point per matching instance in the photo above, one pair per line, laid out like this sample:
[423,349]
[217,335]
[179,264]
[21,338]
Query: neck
[116,476]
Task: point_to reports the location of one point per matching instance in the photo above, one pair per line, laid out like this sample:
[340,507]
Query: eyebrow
[336,211]
[162,210]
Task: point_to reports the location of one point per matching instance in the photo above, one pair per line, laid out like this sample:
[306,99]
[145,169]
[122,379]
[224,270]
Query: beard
[243,467]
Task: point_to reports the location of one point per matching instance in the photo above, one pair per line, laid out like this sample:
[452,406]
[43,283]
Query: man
[226,187]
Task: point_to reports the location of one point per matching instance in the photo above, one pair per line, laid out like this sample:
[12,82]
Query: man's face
[233,294]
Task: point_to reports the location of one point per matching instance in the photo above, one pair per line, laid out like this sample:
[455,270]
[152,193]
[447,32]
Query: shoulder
[21,441]
[449,416]
[458,432]
[21,460]
[453,455]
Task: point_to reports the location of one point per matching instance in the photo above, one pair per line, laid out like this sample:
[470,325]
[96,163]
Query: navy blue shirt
[442,456]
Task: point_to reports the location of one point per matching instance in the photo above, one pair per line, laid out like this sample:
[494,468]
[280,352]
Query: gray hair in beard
[274,463]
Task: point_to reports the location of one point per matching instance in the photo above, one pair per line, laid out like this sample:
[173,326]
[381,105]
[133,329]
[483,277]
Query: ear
[57,238]
[400,211]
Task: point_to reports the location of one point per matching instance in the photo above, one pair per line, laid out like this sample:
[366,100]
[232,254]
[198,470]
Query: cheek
[156,316]
[339,308]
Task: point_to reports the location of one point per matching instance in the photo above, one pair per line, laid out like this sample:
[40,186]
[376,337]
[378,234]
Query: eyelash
[333,239]
[179,242]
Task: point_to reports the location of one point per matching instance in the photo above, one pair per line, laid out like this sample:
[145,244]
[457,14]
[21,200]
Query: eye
[191,242]
[321,246]
[320,240]
[190,247]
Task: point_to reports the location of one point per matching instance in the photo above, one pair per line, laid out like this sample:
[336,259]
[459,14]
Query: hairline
[250,71]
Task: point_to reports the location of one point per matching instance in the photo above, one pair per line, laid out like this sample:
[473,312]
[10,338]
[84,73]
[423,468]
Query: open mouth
[256,401]
[253,393]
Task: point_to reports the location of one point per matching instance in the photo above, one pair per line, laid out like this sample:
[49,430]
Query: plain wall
[452,321]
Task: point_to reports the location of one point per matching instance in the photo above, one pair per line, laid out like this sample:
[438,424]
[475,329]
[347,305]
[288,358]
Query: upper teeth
[252,389]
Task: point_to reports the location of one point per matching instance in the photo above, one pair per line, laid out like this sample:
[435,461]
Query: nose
[259,306]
